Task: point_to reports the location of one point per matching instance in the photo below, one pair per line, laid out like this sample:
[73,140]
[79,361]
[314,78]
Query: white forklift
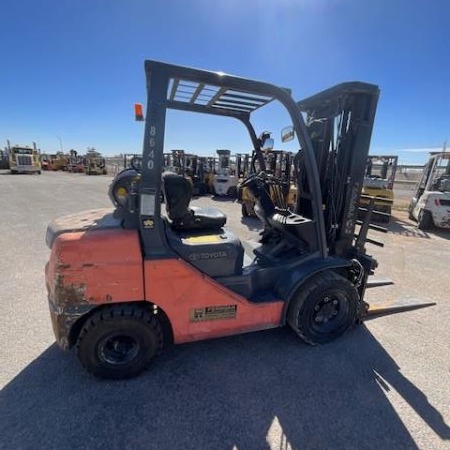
[430,205]
[225,180]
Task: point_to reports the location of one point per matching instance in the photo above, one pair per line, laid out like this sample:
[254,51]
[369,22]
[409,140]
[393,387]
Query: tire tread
[109,313]
[311,285]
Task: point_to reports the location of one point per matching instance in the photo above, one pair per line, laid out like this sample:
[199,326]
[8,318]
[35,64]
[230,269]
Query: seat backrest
[177,193]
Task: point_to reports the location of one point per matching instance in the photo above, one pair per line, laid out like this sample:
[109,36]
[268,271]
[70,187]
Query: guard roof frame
[163,82]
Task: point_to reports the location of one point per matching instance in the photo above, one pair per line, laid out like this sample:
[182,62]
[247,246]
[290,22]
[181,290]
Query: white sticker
[147,205]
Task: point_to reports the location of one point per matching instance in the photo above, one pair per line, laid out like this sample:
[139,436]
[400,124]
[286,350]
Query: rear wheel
[323,308]
[425,220]
[232,192]
[119,342]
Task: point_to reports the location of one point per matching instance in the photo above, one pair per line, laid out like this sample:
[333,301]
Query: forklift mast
[179,161]
[340,122]
[224,167]
[279,162]
[386,165]
[242,165]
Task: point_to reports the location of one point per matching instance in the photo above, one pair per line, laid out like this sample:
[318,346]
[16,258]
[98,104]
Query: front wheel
[425,220]
[119,342]
[323,308]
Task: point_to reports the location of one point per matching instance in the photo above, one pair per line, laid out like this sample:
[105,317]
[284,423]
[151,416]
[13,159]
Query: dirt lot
[384,385]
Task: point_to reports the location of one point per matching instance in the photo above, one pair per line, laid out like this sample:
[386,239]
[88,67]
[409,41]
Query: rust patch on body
[72,295]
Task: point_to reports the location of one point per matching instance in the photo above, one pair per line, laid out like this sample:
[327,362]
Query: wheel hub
[326,310]
[119,349]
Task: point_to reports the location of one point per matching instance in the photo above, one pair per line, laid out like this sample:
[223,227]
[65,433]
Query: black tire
[244,210]
[119,342]
[232,192]
[323,308]
[425,220]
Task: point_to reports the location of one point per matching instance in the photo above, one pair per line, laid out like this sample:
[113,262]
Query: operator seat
[178,193]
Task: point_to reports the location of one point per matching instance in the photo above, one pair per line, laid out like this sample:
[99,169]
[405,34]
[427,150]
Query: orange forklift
[125,283]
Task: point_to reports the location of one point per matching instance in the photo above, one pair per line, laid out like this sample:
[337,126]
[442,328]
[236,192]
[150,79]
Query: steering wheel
[251,179]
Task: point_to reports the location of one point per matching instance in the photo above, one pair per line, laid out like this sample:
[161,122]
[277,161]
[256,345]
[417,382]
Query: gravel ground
[384,385]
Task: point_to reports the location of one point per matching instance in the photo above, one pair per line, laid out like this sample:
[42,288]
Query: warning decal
[213,313]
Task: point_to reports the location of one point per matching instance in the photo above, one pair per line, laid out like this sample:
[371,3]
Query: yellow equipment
[58,161]
[379,183]
[95,163]
[278,165]
[24,159]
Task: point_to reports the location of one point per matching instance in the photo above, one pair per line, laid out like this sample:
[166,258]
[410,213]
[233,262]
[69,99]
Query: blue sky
[72,69]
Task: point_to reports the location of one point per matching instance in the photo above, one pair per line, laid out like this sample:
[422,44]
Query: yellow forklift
[379,183]
[195,170]
[95,163]
[210,172]
[277,164]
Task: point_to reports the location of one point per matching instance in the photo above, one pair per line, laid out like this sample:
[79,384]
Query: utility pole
[60,143]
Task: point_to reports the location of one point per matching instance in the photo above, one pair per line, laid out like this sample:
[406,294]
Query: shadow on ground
[2,172]
[409,228]
[252,223]
[223,198]
[241,391]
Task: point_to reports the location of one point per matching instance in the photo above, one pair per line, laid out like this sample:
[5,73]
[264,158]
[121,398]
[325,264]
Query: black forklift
[179,276]
[195,170]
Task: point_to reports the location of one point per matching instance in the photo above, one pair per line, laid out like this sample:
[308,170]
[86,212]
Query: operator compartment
[217,253]
[196,234]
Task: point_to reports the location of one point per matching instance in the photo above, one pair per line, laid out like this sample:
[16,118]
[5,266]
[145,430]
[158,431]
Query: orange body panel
[96,267]
[179,289]
[106,266]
